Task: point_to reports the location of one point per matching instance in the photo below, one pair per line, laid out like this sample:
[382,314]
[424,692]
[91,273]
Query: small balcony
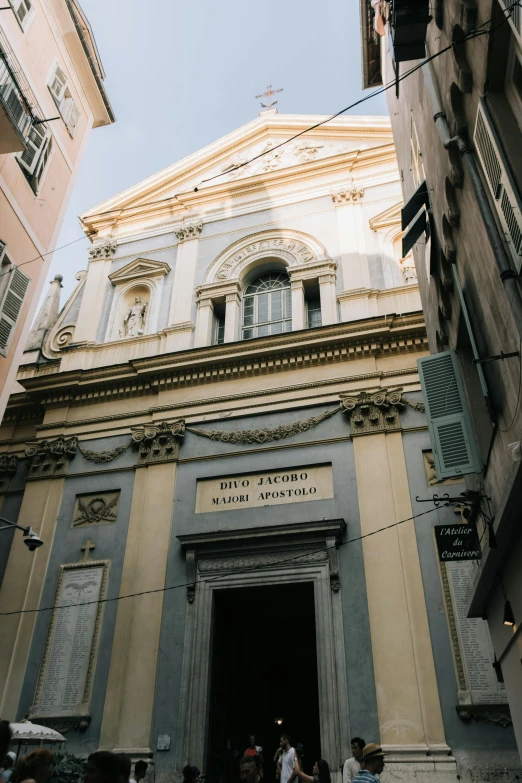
[409,21]
[18,107]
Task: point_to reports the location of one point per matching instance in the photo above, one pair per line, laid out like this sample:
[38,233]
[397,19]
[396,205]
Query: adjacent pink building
[51,96]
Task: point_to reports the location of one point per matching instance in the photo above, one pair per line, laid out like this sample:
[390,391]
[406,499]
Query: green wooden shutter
[11,306]
[449,423]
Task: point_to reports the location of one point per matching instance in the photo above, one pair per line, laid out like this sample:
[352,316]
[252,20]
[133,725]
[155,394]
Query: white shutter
[3,249]
[508,204]
[40,166]
[73,117]
[29,158]
[58,84]
[449,422]
[11,306]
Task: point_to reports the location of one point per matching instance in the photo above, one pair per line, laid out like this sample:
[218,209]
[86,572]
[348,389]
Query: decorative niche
[137,298]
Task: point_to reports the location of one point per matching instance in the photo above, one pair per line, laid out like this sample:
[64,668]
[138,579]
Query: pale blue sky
[182,73]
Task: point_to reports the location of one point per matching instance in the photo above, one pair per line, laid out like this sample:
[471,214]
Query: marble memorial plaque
[474,637]
[271,488]
[65,678]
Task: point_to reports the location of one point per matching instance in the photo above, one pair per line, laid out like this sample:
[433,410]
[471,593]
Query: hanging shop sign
[457,542]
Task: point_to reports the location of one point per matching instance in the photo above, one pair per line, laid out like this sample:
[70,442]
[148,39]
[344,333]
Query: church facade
[222,444]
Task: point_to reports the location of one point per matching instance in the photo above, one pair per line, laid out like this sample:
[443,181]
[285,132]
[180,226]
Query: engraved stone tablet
[474,639]
[65,681]
[251,490]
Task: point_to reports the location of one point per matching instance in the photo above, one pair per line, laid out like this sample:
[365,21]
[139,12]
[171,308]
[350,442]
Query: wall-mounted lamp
[279,721]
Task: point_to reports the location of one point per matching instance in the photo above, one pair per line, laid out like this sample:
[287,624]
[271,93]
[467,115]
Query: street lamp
[31,539]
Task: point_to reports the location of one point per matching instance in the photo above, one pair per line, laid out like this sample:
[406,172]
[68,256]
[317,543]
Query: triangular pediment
[390,217]
[216,161]
[139,268]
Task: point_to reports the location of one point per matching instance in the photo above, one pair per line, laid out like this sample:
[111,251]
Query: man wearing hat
[372,764]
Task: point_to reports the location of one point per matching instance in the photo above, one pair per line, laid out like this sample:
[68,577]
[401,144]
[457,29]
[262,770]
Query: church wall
[110,540]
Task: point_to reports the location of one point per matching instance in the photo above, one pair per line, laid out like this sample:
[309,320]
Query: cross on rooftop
[86,549]
[268,94]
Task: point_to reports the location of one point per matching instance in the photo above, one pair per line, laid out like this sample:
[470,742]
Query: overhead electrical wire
[215,578]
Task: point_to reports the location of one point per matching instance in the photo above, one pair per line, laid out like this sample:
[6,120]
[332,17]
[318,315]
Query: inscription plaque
[271,488]
[474,638]
[65,680]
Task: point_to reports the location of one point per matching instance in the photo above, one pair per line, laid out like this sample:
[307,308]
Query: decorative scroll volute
[158,442]
[50,457]
[377,411]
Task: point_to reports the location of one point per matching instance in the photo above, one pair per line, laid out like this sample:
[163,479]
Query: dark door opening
[264,668]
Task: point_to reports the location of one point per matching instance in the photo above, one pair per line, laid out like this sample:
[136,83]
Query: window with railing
[267,306]
[12,99]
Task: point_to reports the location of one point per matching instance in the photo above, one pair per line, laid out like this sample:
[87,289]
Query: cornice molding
[340,342]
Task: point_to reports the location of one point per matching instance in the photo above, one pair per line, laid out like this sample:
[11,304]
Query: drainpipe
[507,275]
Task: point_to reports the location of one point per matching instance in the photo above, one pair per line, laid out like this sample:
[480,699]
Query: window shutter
[58,85]
[29,158]
[72,119]
[449,423]
[11,306]
[40,167]
[507,202]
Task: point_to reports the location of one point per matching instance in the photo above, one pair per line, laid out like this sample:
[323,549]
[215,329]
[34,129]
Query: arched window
[267,306]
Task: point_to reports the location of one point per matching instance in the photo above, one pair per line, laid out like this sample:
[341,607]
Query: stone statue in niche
[134,321]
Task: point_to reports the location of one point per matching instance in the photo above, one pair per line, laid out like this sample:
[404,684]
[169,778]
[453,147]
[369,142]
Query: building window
[218,337]
[313,313]
[11,302]
[63,99]
[34,158]
[267,306]
[24,11]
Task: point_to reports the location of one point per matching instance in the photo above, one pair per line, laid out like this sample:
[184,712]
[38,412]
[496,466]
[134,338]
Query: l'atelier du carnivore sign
[457,542]
[251,490]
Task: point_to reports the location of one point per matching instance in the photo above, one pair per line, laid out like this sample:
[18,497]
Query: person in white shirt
[353,765]
[286,760]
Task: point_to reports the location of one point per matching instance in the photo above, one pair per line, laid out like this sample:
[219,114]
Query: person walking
[286,760]
[253,749]
[372,764]
[320,772]
[353,765]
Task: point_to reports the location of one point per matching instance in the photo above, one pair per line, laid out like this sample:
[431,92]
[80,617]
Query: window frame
[28,17]
[286,308]
[36,170]
[63,98]
[315,310]
[218,329]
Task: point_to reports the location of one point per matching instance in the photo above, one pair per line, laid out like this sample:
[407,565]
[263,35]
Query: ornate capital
[158,442]
[50,457]
[377,411]
[105,249]
[347,195]
[189,230]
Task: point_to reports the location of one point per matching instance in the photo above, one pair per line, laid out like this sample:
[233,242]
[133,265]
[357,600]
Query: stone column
[232,317]
[129,700]
[180,324]
[25,572]
[298,306]
[407,692]
[100,263]
[204,323]
[328,299]
[354,259]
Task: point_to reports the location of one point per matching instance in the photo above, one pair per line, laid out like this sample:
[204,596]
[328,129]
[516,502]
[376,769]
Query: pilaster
[129,701]
[100,264]
[183,287]
[204,323]
[298,305]
[328,299]
[354,261]
[407,693]
[232,317]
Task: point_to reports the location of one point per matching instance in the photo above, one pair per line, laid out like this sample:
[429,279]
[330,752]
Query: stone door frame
[304,561]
